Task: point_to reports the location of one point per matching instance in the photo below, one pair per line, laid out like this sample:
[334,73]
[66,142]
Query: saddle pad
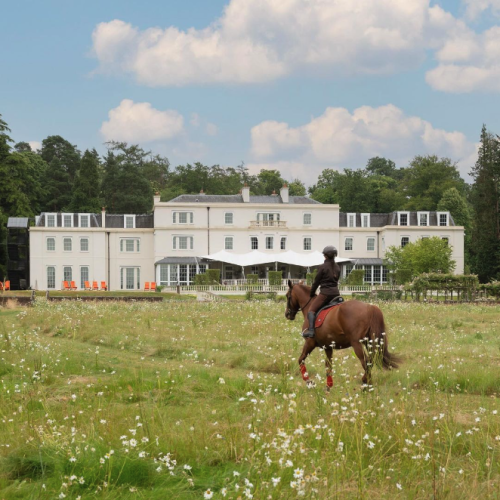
[320,318]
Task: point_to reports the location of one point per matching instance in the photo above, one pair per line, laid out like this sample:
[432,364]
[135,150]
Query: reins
[300,308]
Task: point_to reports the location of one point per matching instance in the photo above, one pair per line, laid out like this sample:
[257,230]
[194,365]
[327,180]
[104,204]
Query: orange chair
[6,285]
[94,285]
[146,286]
[153,286]
[87,285]
[1,286]
[73,286]
[65,285]
[104,286]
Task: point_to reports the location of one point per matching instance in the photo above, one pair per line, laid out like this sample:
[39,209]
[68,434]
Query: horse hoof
[328,389]
[311,384]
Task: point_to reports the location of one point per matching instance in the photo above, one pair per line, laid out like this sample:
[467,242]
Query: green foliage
[356,277]
[297,188]
[85,196]
[252,279]
[213,276]
[402,276]
[310,277]
[466,285]
[275,278]
[492,289]
[423,256]
[201,279]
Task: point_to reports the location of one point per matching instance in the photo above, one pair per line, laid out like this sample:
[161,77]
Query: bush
[252,279]
[355,277]
[201,279]
[213,277]
[159,288]
[310,277]
[275,278]
[402,276]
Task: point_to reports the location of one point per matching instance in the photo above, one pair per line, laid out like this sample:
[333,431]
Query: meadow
[190,400]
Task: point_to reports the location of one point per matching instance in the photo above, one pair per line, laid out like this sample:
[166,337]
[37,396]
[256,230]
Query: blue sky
[294,85]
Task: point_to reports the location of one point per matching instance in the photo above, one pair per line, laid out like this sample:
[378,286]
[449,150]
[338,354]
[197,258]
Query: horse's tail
[380,344]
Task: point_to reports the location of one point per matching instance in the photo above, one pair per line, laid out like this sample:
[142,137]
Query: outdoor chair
[146,286]
[94,286]
[73,286]
[104,286]
[6,285]
[65,285]
[1,286]
[87,285]
[153,286]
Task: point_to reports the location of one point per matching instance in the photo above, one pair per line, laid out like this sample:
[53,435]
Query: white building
[172,245]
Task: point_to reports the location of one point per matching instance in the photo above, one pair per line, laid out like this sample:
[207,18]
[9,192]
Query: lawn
[188,400]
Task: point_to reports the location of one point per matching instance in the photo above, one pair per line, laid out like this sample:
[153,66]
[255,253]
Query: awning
[255,258]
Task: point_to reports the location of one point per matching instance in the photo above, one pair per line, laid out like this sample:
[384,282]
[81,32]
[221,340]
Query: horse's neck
[304,299]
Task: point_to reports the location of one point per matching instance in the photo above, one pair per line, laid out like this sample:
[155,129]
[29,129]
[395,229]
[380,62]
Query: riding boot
[309,333]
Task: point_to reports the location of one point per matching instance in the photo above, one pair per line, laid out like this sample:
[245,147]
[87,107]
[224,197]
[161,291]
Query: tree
[485,246]
[267,182]
[85,197]
[23,147]
[297,188]
[427,255]
[383,167]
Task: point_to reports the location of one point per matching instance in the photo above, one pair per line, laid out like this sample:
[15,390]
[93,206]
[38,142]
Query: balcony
[255,224]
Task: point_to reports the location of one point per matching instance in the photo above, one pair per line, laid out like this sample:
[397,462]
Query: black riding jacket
[327,278]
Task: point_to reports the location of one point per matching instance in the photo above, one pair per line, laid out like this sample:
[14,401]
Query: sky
[293,85]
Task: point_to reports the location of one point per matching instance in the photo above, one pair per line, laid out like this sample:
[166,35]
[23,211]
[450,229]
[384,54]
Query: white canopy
[255,257]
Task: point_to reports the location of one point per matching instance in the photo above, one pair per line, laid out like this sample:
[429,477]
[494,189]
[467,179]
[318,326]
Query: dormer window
[403,218]
[442,219]
[365,220]
[84,220]
[50,220]
[129,221]
[67,220]
[423,218]
[351,220]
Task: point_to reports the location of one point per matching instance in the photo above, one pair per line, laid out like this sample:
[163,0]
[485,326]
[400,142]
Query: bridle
[289,304]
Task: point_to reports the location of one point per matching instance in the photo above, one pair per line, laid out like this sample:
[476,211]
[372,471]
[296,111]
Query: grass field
[187,400]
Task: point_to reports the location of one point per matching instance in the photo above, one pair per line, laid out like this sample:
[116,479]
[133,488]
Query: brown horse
[351,324]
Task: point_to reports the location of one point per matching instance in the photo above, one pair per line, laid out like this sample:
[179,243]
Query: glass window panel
[228,218]
[365,220]
[67,244]
[183,243]
[228,243]
[173,273]
[129,222]
[443,219]
[307,243]
[404,241]
[370,244]
[376,274]
[254,243]
[84,245]
[307,219]
[403,219]
[368,274]
[67,273]
[192,272]
[423,219]
[138,272]
[229,272]
[51,244]
[67,222]
[183,218]
[51,277]
[84,221]
[269,242]
[129,245]
[129,274]
[203,268]
[283,244]
[384,274]
[84,276]
[183,273]
[163,274]
[51,221]
[348,244]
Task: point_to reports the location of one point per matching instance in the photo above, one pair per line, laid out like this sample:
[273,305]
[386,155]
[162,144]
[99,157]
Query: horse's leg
[328,364]
[309,346]
[360,353]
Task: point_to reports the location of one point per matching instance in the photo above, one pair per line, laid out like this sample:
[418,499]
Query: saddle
[323,312]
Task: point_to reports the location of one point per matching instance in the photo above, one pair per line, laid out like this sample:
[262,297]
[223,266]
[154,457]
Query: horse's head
[292,304]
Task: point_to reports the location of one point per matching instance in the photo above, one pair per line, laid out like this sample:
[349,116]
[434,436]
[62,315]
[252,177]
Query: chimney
[246,193]
[156,198]
[103,217]
[284,193]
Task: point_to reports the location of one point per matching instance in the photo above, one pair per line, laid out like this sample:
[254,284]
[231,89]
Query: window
[376,274]
[67,273]
[182,217]
[269,242]
[365,220]
[228,272]
[129,221]
[268,219]
[254,242]
[404,241]
[130,278]
[385,274]
[67,244]
[51,277]
[348,244]
[351,220]
[84,220]
[370,244]
[307,243]
[255,270]
[50,220]
[228,243]
[51,244]
[183,273]
[423,218]
[228,218]
[182,243]
[368,274]
[446,239]
[84,244]
[67,220]
[425,237]
[347,270]
[283,243]
[442,218]
[130,244]
[307,219]
[403,218]
[84,276]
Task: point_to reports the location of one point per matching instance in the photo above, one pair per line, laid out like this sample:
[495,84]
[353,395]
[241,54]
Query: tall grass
[186,400]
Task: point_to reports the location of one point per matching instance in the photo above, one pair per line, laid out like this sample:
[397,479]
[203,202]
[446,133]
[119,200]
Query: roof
[181,260]
[367,262]
[20,222]
[238,198]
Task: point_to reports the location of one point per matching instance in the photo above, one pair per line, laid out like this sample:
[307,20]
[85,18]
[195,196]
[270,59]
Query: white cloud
[211,129]
[35,145]
[338,139]
[140,122]
[474,8]
[262,40]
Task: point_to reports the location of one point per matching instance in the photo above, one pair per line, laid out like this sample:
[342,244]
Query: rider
[328,279]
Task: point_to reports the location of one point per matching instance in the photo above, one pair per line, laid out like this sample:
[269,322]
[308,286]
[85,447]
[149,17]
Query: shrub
[252,279]
[159,288]
[402,276]
[310,277]
[355,277]
[201,279]
[213,276]
[275,278]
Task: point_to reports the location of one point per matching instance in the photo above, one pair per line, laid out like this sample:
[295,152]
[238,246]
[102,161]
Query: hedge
[275,278]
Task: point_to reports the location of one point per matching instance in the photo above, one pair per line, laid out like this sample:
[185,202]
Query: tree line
[60,178]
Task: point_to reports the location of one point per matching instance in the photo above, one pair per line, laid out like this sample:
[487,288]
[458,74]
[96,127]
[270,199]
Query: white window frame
[70,238]
[70,218]
[353,215]
[88,244]
[418,218]
[407,218]
[228,239]
[136,277]
[82,282]
[270,238]
[283,239]
[447,214]
[123,245]
[345,243]
[363,220]
[127,216]
[175,242]
[80,216]
[304,214]
[401,241]
[71,278]
[368,238]
[189,217]
[47,277]
[304,243]
[47,243]
[251,245]
[225,218]
[47,219]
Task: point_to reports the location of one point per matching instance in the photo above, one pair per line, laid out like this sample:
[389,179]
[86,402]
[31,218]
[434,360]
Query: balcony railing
[267,223]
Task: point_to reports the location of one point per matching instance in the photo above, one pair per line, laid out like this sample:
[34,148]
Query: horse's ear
[290,283]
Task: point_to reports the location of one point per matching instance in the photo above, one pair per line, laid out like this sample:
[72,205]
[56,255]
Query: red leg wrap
[329,381]
[303,370]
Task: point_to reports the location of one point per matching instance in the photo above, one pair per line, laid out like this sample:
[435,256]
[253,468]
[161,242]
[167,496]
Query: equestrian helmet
[330,249]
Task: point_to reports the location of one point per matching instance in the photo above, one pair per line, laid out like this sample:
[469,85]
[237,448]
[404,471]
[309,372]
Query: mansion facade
[181,237]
